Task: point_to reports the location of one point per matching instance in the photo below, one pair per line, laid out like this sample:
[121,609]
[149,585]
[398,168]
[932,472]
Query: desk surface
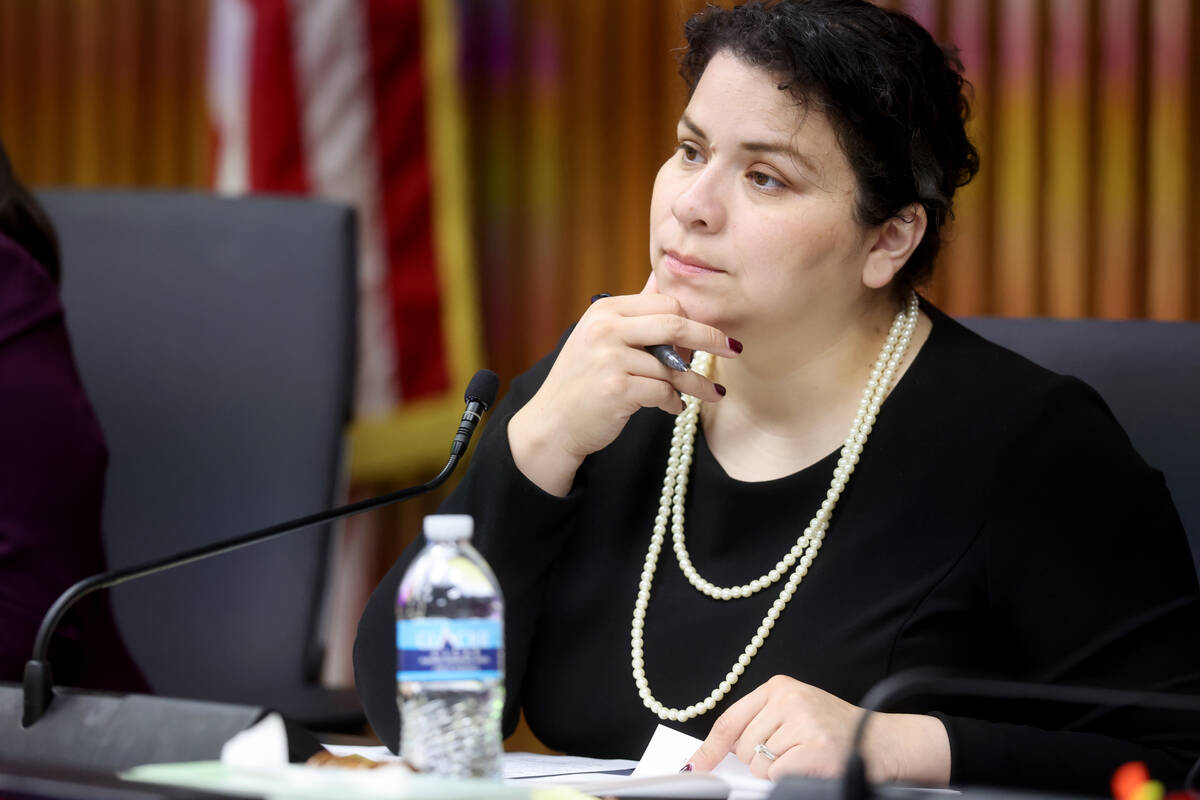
[21,781]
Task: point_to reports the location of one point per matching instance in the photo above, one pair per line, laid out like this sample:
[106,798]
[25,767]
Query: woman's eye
[762,180]
[690,154]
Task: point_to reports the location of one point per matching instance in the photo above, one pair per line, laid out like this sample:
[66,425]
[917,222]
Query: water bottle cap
[447,527]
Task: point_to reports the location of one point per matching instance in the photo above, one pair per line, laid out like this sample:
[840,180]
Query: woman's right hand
[602,376]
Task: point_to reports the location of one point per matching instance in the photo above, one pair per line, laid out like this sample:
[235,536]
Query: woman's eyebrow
[804,161]
[791,152]
[687,122]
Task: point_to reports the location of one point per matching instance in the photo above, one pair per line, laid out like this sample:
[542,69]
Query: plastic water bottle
[450,655]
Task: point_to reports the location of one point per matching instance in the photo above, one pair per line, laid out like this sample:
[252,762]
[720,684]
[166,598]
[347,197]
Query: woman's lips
[688,265]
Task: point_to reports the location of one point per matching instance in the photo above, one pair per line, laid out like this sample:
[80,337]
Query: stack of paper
[657,774]
[255,763]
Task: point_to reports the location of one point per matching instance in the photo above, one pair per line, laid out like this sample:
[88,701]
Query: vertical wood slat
[1139,245]
[123,64]
[1191,166]
[1066,167]
[1040,278]
[1014,158]
[961,279]
[487,48]
[1117,177]
[545,287]
[1166,284]
[162,125]
[47,72]
[86,42]
[634,150]
[584,166]
[1092,94]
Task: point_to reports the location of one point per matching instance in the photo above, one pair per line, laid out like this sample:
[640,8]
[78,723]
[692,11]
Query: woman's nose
[699,203]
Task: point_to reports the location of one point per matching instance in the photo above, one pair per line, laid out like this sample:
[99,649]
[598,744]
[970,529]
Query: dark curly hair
[894,98]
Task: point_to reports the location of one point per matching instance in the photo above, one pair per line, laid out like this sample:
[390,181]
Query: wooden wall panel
[104,92]
[1085,112]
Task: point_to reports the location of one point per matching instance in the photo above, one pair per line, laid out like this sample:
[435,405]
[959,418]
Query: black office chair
[215,338]
[1147,372]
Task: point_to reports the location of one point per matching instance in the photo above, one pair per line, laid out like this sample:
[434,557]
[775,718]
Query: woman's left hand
[809,731]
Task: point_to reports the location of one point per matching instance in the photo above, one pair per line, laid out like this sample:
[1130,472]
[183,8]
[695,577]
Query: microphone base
[108,732]
[854,780]
[38,682]
[25,781]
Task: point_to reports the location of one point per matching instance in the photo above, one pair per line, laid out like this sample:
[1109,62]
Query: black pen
[665,353]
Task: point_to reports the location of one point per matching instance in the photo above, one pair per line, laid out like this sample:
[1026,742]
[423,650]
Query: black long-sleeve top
[999,522]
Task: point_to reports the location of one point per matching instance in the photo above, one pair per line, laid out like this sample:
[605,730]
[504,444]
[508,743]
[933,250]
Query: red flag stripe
[398,79]
[276,154]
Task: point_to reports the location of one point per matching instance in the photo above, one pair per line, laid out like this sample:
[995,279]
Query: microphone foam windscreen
[483,388]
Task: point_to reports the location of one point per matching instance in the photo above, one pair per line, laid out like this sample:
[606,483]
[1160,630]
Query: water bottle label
[448,649]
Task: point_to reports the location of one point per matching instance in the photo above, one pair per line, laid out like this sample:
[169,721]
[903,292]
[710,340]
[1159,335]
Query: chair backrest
[1147,372]
[215,338]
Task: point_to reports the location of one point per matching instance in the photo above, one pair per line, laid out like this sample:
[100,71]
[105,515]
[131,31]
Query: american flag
[334,98]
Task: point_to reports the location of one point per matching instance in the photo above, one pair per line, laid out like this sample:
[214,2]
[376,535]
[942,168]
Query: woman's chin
[698,302]
[708,312]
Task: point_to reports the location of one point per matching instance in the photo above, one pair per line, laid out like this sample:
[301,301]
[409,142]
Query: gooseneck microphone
[38,682]
[937,683]
[481,393]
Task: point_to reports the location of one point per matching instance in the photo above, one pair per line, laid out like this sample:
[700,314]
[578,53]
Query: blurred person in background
[855,485]
[52,463]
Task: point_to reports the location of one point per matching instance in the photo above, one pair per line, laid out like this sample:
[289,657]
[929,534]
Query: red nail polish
[687,767]
[734,344]
[720,389]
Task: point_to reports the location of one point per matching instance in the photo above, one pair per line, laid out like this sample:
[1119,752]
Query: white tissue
[262,746]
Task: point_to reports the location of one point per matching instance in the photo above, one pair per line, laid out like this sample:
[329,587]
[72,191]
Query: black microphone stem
[38,680]
[116,577]
[918,681]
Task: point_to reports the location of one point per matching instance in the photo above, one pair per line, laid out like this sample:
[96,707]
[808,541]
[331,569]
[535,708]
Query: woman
[863,485]
[52,461]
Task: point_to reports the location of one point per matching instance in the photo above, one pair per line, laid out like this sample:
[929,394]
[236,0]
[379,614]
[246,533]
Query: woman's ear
[895,241]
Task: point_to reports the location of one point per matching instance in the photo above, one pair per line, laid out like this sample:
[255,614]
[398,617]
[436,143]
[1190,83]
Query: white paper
[694,785]
[515,765]
[538,765]
[656,774]
[669,750]
[667,753]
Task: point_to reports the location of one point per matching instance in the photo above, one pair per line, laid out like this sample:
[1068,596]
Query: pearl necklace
[670,507]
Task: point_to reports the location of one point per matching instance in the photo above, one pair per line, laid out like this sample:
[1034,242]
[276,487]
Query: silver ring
[761,749]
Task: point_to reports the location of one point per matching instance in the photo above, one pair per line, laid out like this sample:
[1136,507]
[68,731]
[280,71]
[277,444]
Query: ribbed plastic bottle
[450,655]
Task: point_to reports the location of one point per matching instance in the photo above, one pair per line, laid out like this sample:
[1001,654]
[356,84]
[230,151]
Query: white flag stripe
[228,78]
[336,108]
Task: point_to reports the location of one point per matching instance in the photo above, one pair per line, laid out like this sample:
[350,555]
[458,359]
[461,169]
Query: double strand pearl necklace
[670,508]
